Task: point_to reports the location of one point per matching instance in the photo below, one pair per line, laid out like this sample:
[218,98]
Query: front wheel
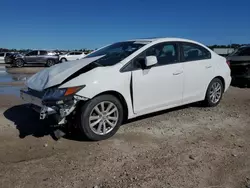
[101,117]
[19,63]
[214,93]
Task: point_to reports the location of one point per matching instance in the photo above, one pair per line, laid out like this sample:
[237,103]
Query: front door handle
[177,73]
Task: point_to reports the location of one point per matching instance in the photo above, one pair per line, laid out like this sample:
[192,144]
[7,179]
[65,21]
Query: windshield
[116,52]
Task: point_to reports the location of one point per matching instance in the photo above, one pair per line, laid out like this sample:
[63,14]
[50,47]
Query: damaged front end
[53,101]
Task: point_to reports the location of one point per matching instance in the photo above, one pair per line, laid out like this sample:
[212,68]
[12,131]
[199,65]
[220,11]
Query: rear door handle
[208,66]
[177,73]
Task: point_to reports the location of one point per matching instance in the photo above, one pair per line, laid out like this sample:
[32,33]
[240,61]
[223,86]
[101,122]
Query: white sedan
[128,79]
[71,56]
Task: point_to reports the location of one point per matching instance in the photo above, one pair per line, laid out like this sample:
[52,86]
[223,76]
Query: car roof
[245,46]
[170,39]
[160,39]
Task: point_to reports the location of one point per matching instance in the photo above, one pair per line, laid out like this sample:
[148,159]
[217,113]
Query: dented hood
[57,74]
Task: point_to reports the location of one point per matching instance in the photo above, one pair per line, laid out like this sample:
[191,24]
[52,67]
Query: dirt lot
[185,147]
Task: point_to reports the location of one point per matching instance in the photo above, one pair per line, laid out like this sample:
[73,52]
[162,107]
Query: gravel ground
[184,147]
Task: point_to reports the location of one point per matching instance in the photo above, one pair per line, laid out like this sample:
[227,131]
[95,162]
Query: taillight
[228,63]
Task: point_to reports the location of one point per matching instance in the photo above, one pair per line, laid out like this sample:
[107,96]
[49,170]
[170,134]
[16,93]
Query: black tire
[63,60]
[85,112]
[10,65]
[208,101]
[19,63]
[50,62]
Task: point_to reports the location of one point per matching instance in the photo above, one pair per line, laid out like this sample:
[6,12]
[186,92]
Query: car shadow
[76,135]
[240,83]
[27,122]
[196,105]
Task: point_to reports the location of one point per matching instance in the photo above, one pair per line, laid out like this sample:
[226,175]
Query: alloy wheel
[19,63]
[215,92]
[50,63]
[103,118]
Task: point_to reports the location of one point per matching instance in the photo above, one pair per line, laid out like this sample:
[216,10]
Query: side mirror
[150,61]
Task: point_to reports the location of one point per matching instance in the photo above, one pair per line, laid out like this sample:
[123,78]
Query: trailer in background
[223,51]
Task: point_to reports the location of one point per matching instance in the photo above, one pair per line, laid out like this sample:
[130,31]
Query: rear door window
[43,52]
[78,53]
[33,53]
[193,52]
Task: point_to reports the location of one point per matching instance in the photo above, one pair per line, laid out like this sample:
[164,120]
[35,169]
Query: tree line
[227,46]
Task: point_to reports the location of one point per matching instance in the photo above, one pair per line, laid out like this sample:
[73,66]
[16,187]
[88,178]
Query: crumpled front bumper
[62,110]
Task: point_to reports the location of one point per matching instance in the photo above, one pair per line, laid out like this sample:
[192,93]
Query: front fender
[17,58]
[103,79]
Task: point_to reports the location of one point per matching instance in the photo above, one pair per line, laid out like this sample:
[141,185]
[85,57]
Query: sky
[75,24]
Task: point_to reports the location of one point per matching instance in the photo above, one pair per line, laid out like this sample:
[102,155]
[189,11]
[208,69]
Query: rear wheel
[63,60]
[50,62]
[101,117]
[19,63]
[214,93]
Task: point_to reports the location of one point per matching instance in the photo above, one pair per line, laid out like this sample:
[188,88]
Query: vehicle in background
[3,55]
[239,62]
[63,52]
[72,56]
[223,51]
[59,52]
[125,80]
[44,57]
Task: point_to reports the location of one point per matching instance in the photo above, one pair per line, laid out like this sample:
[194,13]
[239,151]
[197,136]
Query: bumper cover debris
[61,111]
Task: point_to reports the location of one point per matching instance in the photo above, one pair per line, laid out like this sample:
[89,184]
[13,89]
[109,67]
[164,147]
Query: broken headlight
[57,93]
